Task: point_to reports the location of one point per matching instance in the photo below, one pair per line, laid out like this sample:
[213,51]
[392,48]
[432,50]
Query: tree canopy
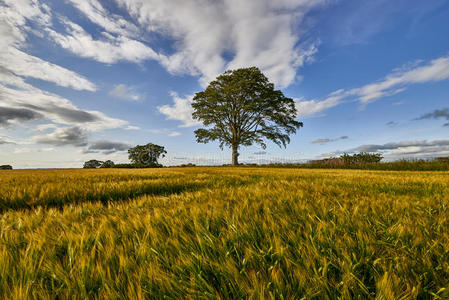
[107,164]
[146,155]
[242,108]
[92,164]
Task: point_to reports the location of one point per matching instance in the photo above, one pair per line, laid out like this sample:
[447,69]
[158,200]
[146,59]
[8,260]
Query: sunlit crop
[226,233]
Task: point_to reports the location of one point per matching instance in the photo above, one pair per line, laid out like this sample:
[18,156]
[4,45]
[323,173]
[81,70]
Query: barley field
[224,233]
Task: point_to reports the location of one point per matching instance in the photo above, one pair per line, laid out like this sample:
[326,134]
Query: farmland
[222,232]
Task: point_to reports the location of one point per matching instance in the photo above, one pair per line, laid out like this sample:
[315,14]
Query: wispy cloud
[435,70]
[167,132]
[27,65]
[73,136]
[14,28]
[395,82]
[32,150]
[312,107]
[21,101]
[327,140]
[437,114]
[122,91]
[9,115]
[6,140]
[395,150]
[107,49]
[107,147]
[54,108]
[392,123]
[113,23]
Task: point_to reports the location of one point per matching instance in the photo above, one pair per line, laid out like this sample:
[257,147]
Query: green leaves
[241,107]
[147,154]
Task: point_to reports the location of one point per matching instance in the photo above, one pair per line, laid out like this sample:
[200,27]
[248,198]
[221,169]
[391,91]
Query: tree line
[141,156]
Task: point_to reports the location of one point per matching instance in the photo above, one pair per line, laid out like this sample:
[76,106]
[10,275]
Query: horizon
[88,80]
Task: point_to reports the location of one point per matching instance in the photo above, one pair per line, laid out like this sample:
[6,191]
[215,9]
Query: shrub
[188,165]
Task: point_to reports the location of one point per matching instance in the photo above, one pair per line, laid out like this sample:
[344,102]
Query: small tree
[146,155]
[92,164]
[5,167]
[242,108]
[107,164]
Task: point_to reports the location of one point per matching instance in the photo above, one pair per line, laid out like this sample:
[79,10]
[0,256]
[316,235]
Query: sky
[84,80]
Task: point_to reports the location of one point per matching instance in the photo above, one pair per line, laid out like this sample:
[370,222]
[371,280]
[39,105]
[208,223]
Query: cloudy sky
[88,79]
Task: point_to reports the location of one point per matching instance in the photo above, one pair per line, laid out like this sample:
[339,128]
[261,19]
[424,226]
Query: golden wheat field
[224,233]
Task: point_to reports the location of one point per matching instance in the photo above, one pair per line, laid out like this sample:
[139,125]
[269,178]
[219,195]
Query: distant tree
[364,157]
[146,155]
[242,108]
[348,159]
[92,164]
[107,164]
[442,159]
[5,167]
[361,158]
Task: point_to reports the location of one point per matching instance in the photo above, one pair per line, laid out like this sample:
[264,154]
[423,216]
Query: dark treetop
[242,108]
[146,155]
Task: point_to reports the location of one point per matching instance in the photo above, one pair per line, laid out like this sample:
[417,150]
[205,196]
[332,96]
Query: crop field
[224,233]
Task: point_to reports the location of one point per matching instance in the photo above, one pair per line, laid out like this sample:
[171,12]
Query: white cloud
[130,127]
[311,107]
[436,70]
[395,82]
[250,33]
[22,101]
[262,35]
[14,16]
[174,133]
[181,110]
[208,36]
[23,64]
[124,92]
[108,49]
[166,132]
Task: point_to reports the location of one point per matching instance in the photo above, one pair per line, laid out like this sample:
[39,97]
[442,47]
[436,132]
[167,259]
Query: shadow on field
[103,195]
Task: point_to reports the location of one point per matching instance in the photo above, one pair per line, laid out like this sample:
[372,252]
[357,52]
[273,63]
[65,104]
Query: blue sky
[88,79]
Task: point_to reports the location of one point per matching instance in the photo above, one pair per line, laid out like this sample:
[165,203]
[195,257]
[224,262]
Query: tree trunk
[235,155]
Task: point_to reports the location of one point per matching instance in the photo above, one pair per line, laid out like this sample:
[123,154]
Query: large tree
[242,108]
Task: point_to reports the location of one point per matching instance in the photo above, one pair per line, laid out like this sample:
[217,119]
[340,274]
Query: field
[224,233]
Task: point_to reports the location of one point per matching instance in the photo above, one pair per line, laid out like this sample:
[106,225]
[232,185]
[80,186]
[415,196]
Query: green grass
[224,233]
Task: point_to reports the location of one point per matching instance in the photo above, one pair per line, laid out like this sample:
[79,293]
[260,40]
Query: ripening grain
[224,233]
